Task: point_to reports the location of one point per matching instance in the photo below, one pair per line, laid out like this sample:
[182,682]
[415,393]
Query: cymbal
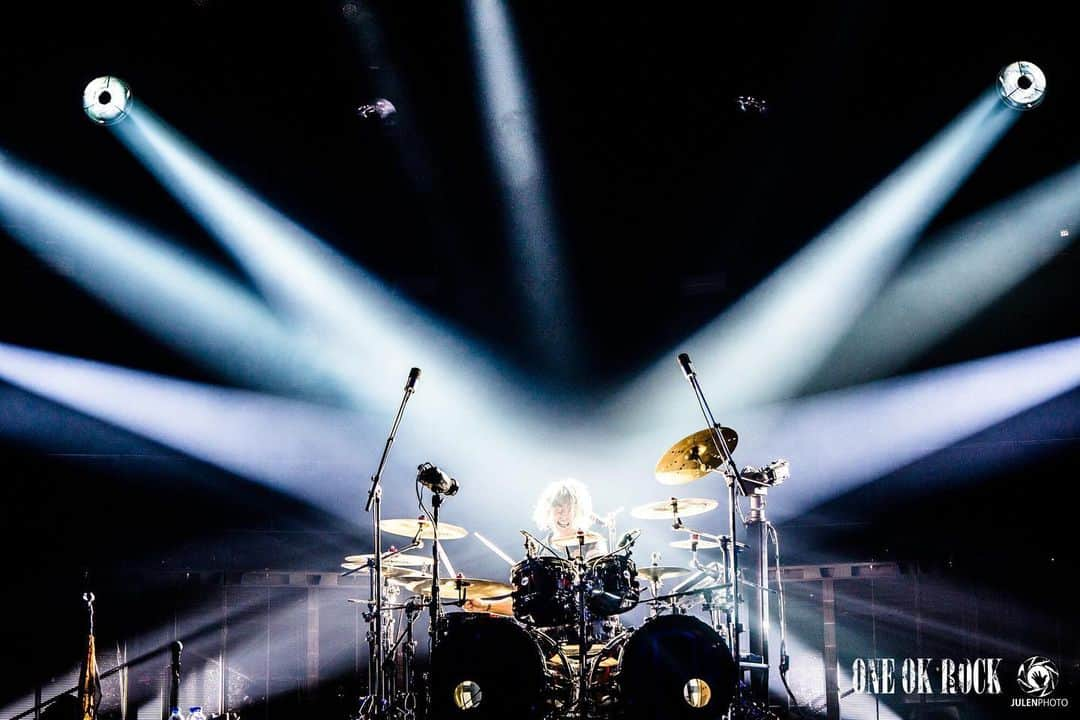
[399,560]
[656,573]
[666,509]
[407,527]
[704,544]
[572,541]
[400,576]
[474,588]
[693,457]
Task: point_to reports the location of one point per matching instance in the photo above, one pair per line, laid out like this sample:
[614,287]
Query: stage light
[185,302]
[107,100]
[955,276]
[514,142]
[776,337]
[1022,85]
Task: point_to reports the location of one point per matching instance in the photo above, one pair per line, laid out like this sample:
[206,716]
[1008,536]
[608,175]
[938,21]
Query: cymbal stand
[411,609]
[735,487]
[377,701]
[583,626]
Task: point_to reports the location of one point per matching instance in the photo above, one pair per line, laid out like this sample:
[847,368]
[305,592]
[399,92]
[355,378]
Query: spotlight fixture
[107,100]
[1022,85]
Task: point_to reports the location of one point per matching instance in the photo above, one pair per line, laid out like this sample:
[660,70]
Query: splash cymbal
[408,527]
[667,509]
[693,457]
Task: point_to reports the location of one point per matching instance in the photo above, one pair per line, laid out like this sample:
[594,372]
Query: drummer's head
[564,506]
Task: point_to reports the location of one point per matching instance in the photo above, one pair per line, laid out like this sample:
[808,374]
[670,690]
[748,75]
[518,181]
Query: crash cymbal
[666,509]
[408,527]
[693,457]
[473,588]
[572,541]
[399,560]
[656,573]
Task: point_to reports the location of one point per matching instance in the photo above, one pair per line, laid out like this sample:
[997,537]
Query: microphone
[435,479]
[629,539]
[410,384]
[687,366]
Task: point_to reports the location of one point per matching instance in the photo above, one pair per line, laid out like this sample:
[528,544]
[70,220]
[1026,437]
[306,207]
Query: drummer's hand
[471,605]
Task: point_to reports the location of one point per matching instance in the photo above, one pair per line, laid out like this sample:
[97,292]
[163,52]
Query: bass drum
[492,667]
[675,667]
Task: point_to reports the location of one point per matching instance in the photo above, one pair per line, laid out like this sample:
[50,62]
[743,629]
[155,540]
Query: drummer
[563,508]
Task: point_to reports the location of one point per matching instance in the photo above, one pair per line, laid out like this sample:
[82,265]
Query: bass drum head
[673,667]
[487,667]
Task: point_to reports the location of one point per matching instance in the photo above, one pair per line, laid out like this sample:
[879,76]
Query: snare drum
[613,585]
[489,667]
[544,591]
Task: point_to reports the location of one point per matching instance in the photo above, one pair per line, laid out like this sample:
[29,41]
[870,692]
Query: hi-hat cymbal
[399,560]
[693,457]
[656,573]
[408,527]
[666,509]
[572,541]
[472,588]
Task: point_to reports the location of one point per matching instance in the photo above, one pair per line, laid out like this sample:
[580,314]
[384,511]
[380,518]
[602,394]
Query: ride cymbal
[693,457]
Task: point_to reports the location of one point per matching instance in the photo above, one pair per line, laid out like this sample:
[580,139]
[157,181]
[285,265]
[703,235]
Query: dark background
[671,204]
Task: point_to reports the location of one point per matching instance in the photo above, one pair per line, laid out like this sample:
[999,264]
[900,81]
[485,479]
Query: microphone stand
[735,486]
[376,644]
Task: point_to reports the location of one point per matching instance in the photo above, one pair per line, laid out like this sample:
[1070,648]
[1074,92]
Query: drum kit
[551,643]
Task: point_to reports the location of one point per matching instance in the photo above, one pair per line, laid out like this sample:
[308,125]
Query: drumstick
[446,561]
[509,560]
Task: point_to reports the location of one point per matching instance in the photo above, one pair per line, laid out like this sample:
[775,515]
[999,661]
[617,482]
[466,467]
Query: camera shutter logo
[1037,676]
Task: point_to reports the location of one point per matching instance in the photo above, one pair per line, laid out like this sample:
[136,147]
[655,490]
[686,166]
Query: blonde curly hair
[561,493]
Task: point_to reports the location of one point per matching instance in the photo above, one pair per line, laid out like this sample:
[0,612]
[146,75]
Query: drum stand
[583,627]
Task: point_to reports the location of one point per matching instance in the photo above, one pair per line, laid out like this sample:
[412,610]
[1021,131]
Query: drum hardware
[756,483]
[532,542]
[608,522]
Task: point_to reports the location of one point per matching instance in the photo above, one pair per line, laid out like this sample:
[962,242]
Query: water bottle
[176,714]
[196,713]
